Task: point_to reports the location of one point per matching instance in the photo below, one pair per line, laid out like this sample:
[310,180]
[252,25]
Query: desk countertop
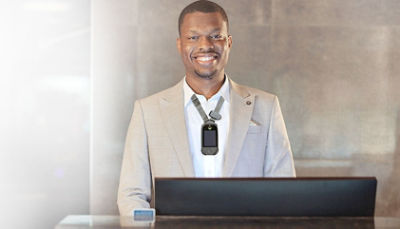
[176,222]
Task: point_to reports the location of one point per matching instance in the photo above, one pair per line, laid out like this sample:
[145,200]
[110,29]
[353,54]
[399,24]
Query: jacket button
[248,102]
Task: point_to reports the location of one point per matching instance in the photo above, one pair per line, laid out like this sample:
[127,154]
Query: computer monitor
[322,196]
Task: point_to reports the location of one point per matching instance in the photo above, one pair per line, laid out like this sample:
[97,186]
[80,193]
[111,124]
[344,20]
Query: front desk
[176,222]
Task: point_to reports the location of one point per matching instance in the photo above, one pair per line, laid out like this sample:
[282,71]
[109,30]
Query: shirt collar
[223,91]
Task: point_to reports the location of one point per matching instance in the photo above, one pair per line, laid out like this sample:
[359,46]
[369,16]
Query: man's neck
[205,87]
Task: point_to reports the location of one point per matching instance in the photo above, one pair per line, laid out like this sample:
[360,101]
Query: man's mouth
[205,59]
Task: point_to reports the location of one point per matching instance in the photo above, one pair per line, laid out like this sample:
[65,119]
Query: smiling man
[204,45]
[206,125]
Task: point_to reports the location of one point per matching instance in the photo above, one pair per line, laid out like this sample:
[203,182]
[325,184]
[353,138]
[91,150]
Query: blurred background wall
[71,70]
[44,111]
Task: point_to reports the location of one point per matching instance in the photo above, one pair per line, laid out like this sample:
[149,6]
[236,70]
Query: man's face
[204,44]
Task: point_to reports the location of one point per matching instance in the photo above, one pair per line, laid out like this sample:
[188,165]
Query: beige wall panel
[249,57]
[327,12]
[250,12]
[393,66]
[391,12]
[338,77]
[160,12]
[158,62]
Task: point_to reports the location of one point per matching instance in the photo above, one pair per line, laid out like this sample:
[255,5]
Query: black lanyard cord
[214,114]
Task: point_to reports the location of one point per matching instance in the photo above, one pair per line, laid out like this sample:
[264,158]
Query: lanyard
[214,114]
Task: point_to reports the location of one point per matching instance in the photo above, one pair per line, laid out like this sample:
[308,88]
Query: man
[168,135]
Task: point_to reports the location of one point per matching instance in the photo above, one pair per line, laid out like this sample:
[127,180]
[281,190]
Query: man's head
[204,7]
[204,42]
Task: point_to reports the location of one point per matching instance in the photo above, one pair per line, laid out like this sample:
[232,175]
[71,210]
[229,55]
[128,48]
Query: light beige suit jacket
[157,142]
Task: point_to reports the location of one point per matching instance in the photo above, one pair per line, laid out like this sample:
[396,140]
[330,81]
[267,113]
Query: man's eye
[193,38]
[216,37]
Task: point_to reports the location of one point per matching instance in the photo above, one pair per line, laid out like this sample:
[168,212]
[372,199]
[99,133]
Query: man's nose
[205,44]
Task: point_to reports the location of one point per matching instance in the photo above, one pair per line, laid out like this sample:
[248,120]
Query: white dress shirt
[206,165]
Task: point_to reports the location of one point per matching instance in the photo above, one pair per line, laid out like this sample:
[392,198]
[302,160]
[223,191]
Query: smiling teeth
[205,58]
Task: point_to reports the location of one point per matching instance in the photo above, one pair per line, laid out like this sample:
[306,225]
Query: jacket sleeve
[135,180]
[279,158]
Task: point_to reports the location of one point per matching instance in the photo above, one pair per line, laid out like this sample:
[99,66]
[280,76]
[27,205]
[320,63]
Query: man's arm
[279,158]
[135,181]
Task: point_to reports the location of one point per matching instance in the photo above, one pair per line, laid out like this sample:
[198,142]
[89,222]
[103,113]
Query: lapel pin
[248,102]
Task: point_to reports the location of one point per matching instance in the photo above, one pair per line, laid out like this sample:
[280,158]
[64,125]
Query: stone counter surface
[220,222]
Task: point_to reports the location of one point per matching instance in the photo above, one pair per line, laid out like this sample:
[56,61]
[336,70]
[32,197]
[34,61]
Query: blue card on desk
[144,214]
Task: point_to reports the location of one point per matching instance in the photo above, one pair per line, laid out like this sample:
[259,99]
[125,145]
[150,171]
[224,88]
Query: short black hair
[203,6]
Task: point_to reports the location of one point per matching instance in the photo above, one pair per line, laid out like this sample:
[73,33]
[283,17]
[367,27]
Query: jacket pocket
[254,129]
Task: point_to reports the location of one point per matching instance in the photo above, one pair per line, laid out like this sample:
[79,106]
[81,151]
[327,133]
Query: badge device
[209,130]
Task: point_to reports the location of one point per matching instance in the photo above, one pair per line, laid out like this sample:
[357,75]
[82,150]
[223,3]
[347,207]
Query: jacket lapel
[173,115]
[242,104]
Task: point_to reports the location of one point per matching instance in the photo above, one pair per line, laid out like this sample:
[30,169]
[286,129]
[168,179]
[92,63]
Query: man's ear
[229,41]
[178,44]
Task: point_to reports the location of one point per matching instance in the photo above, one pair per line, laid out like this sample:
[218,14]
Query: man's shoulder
[264,102]
[258,93]
[166,93]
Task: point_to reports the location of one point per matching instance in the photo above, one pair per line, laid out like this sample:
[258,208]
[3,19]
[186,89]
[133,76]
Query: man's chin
[206,75]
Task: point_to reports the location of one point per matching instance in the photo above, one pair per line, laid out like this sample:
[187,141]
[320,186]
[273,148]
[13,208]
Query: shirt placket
[209,160]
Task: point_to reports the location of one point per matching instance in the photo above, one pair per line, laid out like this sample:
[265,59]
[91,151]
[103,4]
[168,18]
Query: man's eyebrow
[216,30]
[213,31]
